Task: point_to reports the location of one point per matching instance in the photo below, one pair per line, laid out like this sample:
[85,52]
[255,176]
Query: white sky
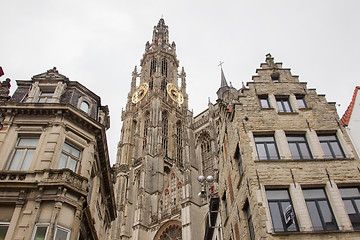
[98,43]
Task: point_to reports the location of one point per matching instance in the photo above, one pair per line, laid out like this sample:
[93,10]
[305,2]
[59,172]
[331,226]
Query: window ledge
[267,109]
[316,232]
[305,160]
[305,109]
[288,113]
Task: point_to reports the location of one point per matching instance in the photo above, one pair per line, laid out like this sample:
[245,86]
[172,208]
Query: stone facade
[283,165]
[55,178]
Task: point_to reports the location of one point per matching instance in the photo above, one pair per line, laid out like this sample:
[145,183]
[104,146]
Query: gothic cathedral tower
[156,169]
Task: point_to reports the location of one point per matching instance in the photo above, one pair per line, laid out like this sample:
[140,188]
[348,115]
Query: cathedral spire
[160,34]
[223,84]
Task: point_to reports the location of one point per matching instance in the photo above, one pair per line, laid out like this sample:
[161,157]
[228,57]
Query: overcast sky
[98,43]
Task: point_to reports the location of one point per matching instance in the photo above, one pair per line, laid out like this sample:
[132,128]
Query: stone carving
[5,90]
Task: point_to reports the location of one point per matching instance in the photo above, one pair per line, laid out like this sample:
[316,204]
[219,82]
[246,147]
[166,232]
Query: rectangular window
[62,233]
[238,160]
[321,215]
[45,96]
[264,102]
[331,146]
[301,101]
[283,104]
[41,231]
[70,157]
[266,147]
[3,229]
[281,210]
[298,147]
[351,199]
[23,154]
[249,222]
[225,204]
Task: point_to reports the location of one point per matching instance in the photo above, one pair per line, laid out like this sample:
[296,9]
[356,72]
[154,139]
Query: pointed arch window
[165,123]
[206,155]
[164,67]
[179,143]
[152,66]
[146,127]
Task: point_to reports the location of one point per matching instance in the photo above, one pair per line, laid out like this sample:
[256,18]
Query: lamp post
[207,189]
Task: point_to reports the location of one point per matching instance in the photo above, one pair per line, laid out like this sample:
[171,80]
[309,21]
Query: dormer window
[85,107]
[45,96]
[275,77]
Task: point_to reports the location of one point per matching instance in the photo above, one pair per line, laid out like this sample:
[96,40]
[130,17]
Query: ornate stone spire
[160,34]
[223,85]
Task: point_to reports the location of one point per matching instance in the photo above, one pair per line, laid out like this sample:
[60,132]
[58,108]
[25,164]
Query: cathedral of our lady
[270,160]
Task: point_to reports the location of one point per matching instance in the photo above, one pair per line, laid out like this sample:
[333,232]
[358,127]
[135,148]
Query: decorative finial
[220,64]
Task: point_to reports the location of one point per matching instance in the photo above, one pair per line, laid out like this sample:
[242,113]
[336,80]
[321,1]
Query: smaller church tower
[156,170]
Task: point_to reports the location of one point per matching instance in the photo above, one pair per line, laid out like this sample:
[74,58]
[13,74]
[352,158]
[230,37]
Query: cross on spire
[220,64]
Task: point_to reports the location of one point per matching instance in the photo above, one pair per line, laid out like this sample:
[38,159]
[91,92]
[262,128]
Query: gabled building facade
[55,178]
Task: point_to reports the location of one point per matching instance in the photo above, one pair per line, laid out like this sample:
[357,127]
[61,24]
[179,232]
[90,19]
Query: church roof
[347,115]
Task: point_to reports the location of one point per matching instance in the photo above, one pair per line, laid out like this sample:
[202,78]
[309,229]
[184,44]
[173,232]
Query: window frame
[265,144]
[250,224]
[224,201]
[23,155]
[37,225]
[281,100]
[354,205]
[87,104]
[318,209]
[46,94]
[238,160]
[330,147]
[297,144]
[68,231]
[5,224]
[301,98]
[70,156]
[281,211]
[264,98]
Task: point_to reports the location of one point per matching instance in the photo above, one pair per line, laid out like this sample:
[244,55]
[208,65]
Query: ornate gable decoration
[51,74]
[170,199]
[5,90]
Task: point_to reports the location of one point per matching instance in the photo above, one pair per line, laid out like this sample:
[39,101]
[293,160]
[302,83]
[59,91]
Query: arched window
[164,67]
[146,127]
[85,106]
[165,123]
[207,161]
[179,143]
[152,66]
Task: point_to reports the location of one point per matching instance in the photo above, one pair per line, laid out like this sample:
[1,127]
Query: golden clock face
[174,93]
[140,93]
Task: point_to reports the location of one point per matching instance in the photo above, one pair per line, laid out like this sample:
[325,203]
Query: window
[85,106]
[70,156]
[152,66]
[179,148]
[249,222]
[23,154]
[146,126]
[321,215]
[41,231]
[351,199]
[275,77]
[238,160]
[331,146]
[281,210]
[266,147]
[225,204]
[45,96]
[3,229]
[283,104]
[298,147]
[165,123]
[264,102]
[301,101]
[164,67]
[62,233]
